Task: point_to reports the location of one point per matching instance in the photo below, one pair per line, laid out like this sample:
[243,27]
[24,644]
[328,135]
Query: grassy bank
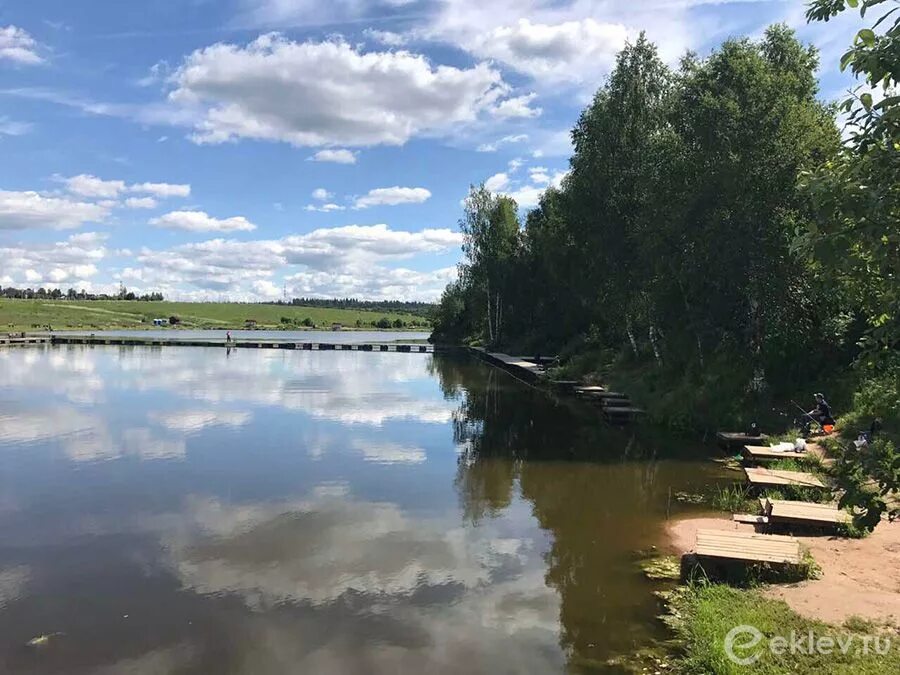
[703,615]
[25,315]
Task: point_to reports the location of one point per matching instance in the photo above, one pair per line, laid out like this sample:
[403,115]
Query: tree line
[72,294]
[717,233]
[424,309]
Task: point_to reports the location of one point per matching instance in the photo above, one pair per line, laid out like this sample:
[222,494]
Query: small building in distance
[250,324]
[336,326]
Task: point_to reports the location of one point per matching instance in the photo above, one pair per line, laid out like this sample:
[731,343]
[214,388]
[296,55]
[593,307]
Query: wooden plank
[766,452]
[748,546]
[749,518]
[622,410]
[737,438]
[781,477]
[806,512]
[589,388]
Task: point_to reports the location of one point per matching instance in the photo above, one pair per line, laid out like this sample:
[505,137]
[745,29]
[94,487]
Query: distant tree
[383,322]
[308,323]
[398,323]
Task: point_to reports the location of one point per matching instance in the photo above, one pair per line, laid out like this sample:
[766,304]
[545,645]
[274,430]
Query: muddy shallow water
[186,510]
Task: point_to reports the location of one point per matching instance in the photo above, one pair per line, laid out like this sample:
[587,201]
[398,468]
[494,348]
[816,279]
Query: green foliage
[869,478]
[856,195]
[669,242]
[734,498]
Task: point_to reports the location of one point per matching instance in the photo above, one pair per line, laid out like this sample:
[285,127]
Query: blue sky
[227,149]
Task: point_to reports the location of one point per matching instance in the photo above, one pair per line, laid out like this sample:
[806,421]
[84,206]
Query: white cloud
[568,51]
[336,156]
[70,261]
[520,106]
[162,190]
[141,203]
[497,182]
[25,210]
[327,93]
[18,46]
[538,175]
[505,140]
[337,262]
[86,185]
[321,194]
[386,37]
[324,208]
[391,196]
[199,221]
[528,196]
[10,127]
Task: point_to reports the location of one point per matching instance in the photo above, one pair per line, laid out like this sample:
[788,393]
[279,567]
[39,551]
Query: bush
[174,320]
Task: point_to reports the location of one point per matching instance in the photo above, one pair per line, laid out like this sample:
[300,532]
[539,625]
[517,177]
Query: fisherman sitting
[822,412]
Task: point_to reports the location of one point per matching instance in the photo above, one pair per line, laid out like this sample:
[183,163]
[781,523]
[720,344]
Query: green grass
[705,613]
[25,315]
[733,498]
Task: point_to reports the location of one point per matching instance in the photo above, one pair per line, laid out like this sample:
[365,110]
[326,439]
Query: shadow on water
[601,492]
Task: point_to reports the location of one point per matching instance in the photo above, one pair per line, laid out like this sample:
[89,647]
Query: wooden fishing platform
[781,477]
[589,389]
[764,452]
[748,547]
[515,365]
[807,513]
[736,439]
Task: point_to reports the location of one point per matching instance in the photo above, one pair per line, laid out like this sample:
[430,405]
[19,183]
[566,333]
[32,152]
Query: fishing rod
[808,416]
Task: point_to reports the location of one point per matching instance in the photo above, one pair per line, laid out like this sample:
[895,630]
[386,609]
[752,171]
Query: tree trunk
[628,329]
[489,314]
[655,344]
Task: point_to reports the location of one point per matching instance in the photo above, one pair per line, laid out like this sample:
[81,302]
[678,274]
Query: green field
[30,315]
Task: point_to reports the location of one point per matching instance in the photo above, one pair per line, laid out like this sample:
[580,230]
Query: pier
[135,341]
[243,343]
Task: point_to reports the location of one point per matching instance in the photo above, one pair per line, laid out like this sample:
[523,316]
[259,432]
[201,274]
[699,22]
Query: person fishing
[822,412]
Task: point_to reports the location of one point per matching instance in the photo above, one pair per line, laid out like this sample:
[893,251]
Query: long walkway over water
[241,343]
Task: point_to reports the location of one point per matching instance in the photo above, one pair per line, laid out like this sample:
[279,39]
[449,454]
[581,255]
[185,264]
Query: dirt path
[860,577]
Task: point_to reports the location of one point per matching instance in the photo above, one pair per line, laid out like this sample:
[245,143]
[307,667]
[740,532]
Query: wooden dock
[736,439]
[764,453]
[781,477]
[589,389]
[807,513]
[242,343]
[748,547]
[27,340]
[516,366]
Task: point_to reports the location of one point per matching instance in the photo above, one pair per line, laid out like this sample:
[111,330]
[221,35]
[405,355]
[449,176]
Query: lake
[180,509]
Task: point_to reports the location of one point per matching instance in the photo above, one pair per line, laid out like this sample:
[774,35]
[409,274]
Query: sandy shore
[860,577]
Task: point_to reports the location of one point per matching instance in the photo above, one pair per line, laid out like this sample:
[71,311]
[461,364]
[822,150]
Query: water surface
[188,511]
